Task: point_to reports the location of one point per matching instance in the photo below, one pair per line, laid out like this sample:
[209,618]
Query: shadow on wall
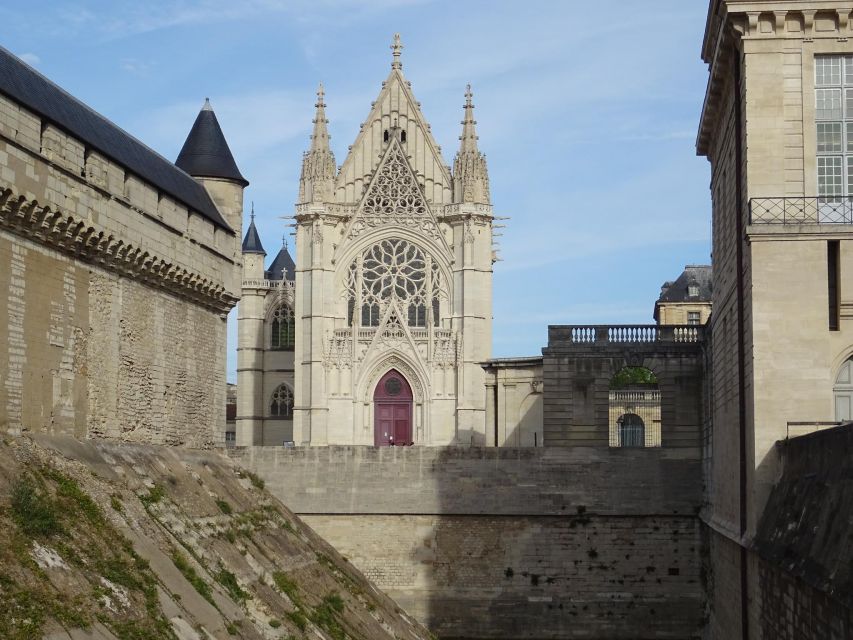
[567,562]
[803,548]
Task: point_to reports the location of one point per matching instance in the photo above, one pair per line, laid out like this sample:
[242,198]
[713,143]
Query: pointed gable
[395,107]
[395,198]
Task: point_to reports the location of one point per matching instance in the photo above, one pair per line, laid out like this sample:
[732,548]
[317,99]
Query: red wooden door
[392,406]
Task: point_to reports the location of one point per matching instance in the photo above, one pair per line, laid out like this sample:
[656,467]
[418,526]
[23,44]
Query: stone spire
[396,50]
[318,165]
[470,174]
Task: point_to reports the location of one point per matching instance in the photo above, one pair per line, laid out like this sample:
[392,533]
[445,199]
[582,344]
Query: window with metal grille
[693,317]
[834,128]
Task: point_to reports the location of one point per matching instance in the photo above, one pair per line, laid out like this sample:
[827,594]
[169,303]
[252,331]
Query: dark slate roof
[23,84]
[677,291]
[282,261]
[252,241]
[205,153]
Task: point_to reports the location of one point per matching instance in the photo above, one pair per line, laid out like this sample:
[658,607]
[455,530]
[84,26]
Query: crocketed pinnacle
[470,174]
[396,50]
[318,164]
[469,128]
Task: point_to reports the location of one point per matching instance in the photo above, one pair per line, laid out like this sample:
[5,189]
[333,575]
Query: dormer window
[693,290]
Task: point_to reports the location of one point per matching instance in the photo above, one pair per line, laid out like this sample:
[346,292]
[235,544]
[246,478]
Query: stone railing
[833,210]
[267,284]
[418,333]
[634,396]
[630,334]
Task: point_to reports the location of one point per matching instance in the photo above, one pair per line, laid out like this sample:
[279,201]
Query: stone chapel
[376,335]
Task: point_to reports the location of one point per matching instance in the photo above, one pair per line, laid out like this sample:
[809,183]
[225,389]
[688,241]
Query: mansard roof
[252,241]
[282,262]
[23,84]
[205,153]
[693,274]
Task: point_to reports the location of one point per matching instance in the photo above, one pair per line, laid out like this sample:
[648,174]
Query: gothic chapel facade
[392,301]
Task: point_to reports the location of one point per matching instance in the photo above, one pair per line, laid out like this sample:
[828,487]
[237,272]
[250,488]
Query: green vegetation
[325,616]
[275,623]
[198,583]
[32,511]
[288,587]
[229,581]
[49,505]
[224,507]
[632,375]
[254,478]
[155,494]
[298,618]
[115,503]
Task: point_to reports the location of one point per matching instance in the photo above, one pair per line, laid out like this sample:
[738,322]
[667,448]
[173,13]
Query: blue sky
[588,119]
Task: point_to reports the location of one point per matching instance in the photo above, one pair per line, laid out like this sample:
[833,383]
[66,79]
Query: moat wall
[511,543]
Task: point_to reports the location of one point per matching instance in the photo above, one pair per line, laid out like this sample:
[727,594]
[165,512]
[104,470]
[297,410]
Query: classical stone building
[776,126]
[392,292]
[118,268]
[687,299]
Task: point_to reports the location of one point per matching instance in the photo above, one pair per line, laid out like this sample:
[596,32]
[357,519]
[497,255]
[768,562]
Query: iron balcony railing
[632,334]
[816,210]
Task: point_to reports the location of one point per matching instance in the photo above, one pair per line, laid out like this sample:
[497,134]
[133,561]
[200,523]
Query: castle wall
[114,320]
[509,543]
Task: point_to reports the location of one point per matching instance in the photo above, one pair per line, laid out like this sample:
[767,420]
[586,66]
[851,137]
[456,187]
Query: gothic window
[402,136]
[281,404]
[385,135]
[834,134]
[282,329]
[399,270]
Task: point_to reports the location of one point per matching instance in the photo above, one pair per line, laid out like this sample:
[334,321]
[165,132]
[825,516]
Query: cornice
[90,243]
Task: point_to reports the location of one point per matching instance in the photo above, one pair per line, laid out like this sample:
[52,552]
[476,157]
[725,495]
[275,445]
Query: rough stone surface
[112,500]
[510,543]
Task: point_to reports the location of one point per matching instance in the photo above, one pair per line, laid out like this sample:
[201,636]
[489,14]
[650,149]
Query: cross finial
[396,49]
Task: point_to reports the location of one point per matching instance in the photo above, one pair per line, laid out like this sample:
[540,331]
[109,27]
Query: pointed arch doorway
[392,411]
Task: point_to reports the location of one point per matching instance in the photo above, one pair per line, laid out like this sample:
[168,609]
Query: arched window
[399,270]
[635,403]
[632,430]
[843,393]
[281,404]
[282,329]
[402,136]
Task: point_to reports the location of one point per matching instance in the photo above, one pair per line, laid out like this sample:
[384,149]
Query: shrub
[33,511]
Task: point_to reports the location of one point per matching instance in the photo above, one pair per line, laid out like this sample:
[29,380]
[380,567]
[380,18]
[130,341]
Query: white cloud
[30,58]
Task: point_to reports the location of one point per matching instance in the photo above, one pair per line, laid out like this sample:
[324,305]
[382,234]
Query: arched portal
[632,430]
[392,410]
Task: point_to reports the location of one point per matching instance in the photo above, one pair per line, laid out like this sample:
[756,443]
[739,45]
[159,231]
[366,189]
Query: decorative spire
[470,174]
[396,50]
[206,106]
[252,215]
[318,164]
[469,130]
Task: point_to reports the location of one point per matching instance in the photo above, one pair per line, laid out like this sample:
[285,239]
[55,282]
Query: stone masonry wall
[94,354]
[114,295]
[510,543]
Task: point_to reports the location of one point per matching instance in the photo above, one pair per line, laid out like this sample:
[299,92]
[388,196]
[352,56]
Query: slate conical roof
[252,241]
[205,154]
[282,263]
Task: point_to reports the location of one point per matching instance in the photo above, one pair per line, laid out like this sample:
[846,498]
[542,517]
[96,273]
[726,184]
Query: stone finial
[396,49]
[206,106]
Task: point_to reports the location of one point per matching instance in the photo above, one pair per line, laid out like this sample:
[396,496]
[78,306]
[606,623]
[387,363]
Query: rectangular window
[693,317]
[834,135]
[833,272]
